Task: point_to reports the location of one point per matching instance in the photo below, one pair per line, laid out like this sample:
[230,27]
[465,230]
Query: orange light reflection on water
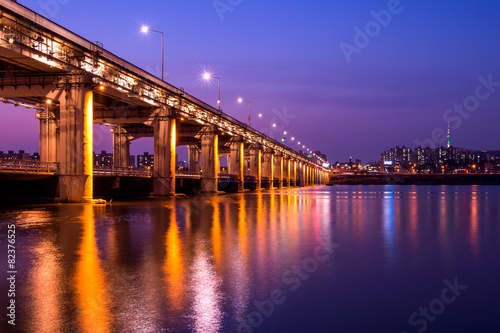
[92,296]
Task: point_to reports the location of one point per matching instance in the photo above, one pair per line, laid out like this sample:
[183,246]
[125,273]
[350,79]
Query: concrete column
[294,173]
[75,144]
[268,166]
[236,161]
[121,148]
[49,136]
[209,159]
[298,174]
[194,158]
[286,168]
[279,170]
[164,153]
[255,164]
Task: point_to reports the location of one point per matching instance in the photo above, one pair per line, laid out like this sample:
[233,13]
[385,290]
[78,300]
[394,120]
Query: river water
[316,259]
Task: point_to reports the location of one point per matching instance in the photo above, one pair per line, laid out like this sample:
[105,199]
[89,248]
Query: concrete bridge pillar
[293,172]
[255,164]
[75,143]
[268,166]
[236,161]
[194,158]
[286,169]
[121,148]
[49,136]
[279,169]
[164,153]
[209,159]
[298,174]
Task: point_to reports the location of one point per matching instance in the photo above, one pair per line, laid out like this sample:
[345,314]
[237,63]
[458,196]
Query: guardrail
[138,172]
[27,166]
[111,171]
[188,174]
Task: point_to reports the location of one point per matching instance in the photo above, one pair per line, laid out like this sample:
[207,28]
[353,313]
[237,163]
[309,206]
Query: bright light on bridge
[144,29]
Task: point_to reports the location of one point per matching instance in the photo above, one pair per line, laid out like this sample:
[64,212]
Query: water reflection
[389,228]
[93,299]
[474,229]
[174,264]
[200,264]
[45,283]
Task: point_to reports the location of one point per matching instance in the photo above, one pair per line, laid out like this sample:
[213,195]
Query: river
[315,259]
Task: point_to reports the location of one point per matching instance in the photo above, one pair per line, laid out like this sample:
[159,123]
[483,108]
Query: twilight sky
[349,78]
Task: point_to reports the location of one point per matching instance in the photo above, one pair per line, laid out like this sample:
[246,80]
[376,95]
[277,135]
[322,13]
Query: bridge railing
[187,174]
[138,172]
[27,166]
[112,171]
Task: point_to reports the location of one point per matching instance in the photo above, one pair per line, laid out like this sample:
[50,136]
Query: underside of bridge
[75,83]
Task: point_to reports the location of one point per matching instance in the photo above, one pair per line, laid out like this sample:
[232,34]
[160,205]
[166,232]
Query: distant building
[321,156]
[11,155]
[145,161]
[103,159]
[398,156]
[373,167]
[35,157]
[447,159]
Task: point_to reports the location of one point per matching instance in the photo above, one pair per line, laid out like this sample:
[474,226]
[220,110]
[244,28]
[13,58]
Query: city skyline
[397,88]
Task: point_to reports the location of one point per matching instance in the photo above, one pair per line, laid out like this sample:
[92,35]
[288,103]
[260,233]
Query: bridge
[74,83]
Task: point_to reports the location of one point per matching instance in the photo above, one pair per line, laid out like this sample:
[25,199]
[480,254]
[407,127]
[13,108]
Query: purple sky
[304,64]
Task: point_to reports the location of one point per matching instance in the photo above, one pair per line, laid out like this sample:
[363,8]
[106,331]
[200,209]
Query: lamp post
[145,30]
[282,132]
[241,100]
[263,115]
[207,76]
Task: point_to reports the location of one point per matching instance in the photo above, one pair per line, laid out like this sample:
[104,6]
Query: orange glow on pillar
[88,145]
[173,136]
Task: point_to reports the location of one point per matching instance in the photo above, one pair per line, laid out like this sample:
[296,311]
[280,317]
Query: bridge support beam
[255,164]
[164,154]
[121,148]
[49,136]
[236,161]
[209,159]
[75,145]
[268,166]
[194,158]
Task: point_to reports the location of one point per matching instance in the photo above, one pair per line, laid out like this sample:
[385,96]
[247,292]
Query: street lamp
[263,115]
[207,76]
[241,100]
[145,30]
[282,132]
